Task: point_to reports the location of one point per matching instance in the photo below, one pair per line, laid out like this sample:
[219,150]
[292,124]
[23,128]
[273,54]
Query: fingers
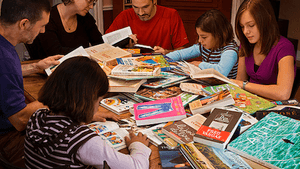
[57,56]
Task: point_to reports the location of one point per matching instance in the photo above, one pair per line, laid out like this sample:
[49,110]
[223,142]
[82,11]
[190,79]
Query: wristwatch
[244,84]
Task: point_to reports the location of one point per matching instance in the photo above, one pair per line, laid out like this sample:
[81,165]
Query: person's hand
[49,61]
[133,138]
[100,116]
[158,49]
[238,82]
[134,38]
[196,63]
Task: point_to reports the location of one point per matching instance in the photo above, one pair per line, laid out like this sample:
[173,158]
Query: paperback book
[158,111]
[203,156]
[218,128]
[119,37]
[130,77]
[172,158]
[273,141]
[118,104]
[172,144]
[183,131]
[244,100]
[149,94]
[205,76]
[168,79]
[157,60]
[144,70]
[194,88]
[111,133]
[205,104]
[107,53]
[118,85]
[77,52]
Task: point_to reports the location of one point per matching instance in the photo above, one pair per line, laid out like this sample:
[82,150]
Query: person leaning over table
[59,137]
[70,26]
[267,61]
[20,22]
[152,25]
[216,45]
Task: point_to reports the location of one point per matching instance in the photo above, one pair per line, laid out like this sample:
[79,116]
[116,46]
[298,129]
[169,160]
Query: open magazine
[206,76]
[111,133]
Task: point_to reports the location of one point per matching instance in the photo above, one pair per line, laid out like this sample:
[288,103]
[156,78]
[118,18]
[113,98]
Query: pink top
[268,70]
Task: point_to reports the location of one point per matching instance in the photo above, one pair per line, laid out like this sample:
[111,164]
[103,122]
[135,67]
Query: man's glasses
[92,2]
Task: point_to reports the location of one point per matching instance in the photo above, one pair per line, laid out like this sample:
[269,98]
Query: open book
[77,52]
[111,133]
[206,76]
[119,37]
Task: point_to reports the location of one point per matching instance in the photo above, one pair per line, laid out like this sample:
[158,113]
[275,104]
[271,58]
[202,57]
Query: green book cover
[274,140]
[244,100]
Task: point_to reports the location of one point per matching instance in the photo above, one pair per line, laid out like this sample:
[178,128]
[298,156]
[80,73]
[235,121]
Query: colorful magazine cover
[145,60]
[244,100]
[169,78]
[158,111]
[273,141]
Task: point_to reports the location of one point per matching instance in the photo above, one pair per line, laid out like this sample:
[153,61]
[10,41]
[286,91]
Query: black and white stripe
[214,57]
[52,141]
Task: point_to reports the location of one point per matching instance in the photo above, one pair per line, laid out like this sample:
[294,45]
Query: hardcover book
[205,104]
[184,130]
[218,128]
[244,100]
[158,111]
[145,70]
[273,141]
[118,85]
[118,104]
[288,111]
[203,156]
[111,133]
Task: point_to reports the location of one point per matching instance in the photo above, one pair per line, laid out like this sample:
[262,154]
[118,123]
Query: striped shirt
[214,57]
[53,141]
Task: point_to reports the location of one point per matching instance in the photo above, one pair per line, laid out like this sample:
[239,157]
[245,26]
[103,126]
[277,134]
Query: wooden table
[32,85]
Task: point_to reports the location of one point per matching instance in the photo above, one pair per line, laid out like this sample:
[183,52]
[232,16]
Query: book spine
[172,136]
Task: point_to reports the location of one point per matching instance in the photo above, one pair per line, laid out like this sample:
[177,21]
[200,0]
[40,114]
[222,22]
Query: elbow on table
[283,95]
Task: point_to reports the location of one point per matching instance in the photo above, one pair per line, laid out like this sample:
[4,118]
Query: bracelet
[244,84]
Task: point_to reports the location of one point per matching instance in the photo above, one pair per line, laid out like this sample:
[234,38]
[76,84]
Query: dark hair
[73,88]
[213,21]
[13,11]
[263,14]
[66,2]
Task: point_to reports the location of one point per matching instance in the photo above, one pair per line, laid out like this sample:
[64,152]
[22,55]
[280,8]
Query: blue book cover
[273,141]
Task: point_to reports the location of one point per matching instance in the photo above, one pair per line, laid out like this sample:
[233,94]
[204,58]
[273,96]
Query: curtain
[235,6]
[98,15]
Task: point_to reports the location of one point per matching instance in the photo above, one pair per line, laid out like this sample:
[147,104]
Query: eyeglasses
[92,2]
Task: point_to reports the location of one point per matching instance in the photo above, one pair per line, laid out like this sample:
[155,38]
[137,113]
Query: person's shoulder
[166,10]
[231,46]
[284,41]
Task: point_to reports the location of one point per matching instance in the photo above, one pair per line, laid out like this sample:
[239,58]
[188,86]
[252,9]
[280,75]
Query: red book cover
[218,128]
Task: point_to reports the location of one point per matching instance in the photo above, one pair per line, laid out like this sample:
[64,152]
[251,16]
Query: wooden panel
[191,10]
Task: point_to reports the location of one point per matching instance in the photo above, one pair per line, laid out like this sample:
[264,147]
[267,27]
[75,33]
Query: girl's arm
[241,72]
[95,151]
[185,54]
[285,80]
[228,60]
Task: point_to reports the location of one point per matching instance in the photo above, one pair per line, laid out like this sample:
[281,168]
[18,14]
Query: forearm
[32,68]
[185,54]
[95,151]
[272,91]
[20,119]
[227,61]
